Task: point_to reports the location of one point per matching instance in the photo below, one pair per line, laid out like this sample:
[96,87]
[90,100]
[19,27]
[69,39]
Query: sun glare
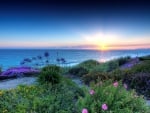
[103,47]
[101,40]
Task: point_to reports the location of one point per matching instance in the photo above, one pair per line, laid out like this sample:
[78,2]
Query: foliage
[111,65]
[123,60]
[50,74]
[83,68]
[92,66]
[142,67]
[137,77]
[118,74]
[46,98]
[89,64]
[140,82]
[95,77]
[78,71]
[101,72]
[143,58]
[108,97]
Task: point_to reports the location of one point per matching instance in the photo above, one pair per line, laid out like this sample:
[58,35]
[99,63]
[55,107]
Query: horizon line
[42,48]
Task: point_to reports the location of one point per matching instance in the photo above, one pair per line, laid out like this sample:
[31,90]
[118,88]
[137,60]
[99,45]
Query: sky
[75,24]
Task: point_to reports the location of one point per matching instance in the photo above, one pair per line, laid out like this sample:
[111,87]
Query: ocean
[13,57]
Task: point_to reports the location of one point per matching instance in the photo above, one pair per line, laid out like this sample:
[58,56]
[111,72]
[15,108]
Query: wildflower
[115,84]
[92,92]
[125,86]
[84,110]
[104,107]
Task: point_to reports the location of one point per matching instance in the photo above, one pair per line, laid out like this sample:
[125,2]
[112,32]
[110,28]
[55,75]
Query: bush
[95,77]
[123,60]
[103,67]
[142,67]
[112,65]
[137,77]
[144,58]
[111,98]
[78,71]
[50,74]
[46,98]
[118,74]
[89,64]
[140,82]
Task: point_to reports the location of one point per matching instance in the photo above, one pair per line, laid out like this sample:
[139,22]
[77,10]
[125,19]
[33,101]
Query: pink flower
[125,86]
[104,107]
[84,110]
[115,84]
[92,92]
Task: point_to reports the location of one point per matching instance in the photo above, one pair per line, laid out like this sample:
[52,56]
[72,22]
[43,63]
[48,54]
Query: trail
[13,83]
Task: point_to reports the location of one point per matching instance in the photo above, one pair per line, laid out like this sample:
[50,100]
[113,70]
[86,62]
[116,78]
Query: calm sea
[13,57]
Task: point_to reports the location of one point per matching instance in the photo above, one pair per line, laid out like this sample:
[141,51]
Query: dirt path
[13,83]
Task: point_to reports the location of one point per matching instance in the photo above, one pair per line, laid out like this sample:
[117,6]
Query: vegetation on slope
[57,94]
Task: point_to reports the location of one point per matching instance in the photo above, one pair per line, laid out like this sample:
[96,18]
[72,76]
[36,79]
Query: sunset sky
[75,24]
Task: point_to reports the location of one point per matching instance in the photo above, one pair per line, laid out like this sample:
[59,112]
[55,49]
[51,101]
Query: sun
[101,40]
[103,47]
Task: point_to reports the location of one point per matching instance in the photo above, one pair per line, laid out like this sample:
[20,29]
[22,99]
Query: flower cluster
[104,106]
[19,71]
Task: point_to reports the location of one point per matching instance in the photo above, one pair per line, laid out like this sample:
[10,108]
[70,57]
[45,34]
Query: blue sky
[56,24]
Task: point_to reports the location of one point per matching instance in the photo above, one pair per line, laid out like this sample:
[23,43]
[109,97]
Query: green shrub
[140,82]
[50,74]
[106,98]
[46,98]
[113,64]
[144,58]
[137,77]
[89,64]
[78,71]
[123,60]
[118,74]
[95,77]
[142,67]
[103,67]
